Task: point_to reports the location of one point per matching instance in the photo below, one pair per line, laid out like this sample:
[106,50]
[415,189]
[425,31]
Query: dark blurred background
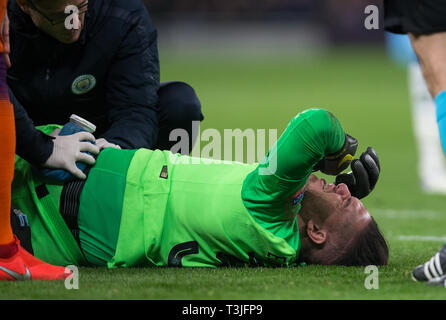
[277,22]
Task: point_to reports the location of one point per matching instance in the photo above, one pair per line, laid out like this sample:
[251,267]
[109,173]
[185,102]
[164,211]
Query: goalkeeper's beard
[315,206]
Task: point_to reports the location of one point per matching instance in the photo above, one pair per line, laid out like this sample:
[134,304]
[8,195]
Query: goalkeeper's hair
[368,248]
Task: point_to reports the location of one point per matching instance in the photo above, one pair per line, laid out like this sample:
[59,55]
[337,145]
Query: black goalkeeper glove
[334,164]
[364,175]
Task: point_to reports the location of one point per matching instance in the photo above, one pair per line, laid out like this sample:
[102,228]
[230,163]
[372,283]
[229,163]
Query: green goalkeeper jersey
[172,210]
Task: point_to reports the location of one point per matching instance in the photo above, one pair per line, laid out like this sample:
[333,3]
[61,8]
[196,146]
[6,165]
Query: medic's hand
[103,144]
[68,150]
[333,164]
[364,175]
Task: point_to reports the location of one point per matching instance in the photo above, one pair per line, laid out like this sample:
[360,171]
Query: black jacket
[116,54]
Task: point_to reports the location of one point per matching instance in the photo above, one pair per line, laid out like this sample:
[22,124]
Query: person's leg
[180,108]
[7,153]
[431,163]
[15,262]
[431,52]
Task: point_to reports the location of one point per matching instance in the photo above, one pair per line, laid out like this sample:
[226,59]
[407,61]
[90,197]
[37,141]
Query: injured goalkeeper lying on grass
[154,208]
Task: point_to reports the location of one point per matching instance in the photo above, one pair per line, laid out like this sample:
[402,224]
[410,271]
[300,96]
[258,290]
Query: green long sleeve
[272,193]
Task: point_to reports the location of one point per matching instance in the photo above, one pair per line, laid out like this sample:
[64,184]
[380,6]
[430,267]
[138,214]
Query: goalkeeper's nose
[343,191]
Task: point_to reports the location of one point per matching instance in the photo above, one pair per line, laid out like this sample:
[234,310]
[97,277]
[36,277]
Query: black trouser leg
[179,107]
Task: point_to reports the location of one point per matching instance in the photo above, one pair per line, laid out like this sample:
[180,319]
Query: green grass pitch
[369,95]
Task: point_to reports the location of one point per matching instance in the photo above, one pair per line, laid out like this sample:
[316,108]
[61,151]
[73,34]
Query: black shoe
[432,269]
[438,281]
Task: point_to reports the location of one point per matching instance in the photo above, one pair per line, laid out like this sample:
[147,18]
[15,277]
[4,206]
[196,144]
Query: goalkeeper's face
[333,208]
[336,228]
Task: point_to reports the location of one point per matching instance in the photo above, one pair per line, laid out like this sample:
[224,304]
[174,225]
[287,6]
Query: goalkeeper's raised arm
[314,140]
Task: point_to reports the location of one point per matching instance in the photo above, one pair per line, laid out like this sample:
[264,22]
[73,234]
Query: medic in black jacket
[106,71]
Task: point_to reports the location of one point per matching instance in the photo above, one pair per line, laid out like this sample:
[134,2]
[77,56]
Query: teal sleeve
[308,138]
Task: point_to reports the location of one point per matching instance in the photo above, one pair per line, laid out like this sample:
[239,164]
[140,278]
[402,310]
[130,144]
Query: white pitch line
[409,214]
[413,214]
[422,238]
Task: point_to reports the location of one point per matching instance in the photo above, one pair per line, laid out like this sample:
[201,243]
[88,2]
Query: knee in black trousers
[179,107]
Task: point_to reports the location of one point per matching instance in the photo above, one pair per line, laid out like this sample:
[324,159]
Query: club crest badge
[83,84]
[297,197]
